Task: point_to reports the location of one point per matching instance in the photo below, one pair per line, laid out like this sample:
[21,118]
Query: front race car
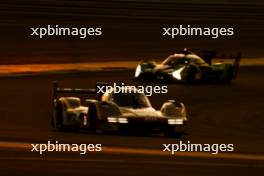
[137,114]
[127,110]
[154,121]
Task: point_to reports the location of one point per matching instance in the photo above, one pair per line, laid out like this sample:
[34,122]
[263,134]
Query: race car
[113,111]
[188,67]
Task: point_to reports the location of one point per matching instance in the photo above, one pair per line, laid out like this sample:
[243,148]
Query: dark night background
[131,29]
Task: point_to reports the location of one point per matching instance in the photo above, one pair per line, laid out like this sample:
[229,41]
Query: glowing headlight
[122,120]
[175,121]
[138,71]
[112,119]
[117,120]
[177,73]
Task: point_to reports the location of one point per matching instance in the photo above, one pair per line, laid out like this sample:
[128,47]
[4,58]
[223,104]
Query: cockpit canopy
[127,97]
[183,59]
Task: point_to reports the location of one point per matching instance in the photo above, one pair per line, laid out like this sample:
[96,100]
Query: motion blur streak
[40,68]
[138,151]
[93,66]
[132,29]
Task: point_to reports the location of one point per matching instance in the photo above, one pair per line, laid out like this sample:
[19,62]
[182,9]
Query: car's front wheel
[93,119]
[174,131]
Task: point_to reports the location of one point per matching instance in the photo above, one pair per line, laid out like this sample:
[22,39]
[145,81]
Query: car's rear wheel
[229,76]
[173,131]
[58,121]
[192,76]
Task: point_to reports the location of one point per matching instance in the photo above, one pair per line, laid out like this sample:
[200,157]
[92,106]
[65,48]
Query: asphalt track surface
[217,114]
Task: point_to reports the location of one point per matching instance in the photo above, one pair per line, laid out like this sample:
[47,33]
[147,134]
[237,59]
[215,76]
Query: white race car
[116,111]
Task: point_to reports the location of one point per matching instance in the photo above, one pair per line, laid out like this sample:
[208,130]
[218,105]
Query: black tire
[58,122]
[191,76]
[123,130]
[92,118]
[171,132]
[229,75]
[82,121]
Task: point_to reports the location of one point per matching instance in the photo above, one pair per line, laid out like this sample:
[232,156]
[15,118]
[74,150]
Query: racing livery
[188,67]
[113,111]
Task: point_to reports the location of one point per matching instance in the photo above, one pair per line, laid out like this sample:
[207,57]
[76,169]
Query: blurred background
[132,29]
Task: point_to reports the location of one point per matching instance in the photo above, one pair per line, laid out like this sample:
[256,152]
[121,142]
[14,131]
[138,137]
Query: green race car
[188,67]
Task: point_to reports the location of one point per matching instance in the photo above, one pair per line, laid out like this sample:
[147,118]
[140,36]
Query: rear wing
[59,90]
[236,65]
[208,56]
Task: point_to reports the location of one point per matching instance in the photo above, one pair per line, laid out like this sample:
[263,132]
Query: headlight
[138,71]
[117,120]
[112,119]
[177,73]
[175,121]
[122,120]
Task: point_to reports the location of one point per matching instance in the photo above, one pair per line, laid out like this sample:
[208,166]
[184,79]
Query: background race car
[188,67]
[114,111]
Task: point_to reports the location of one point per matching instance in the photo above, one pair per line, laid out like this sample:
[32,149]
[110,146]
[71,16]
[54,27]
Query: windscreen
[74,103]
[178,60]
[135,100]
